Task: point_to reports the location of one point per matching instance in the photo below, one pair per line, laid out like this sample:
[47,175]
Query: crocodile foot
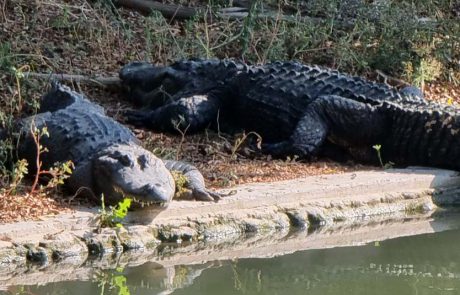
[206,195]
[137,118]
[203,194]
[287,149]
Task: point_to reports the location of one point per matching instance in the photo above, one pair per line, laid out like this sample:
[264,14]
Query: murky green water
[425,264]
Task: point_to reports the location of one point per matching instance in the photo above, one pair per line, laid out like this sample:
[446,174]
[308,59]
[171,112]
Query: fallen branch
[113,81]
[232,13]
[235,13]
[389,80]
[167,10]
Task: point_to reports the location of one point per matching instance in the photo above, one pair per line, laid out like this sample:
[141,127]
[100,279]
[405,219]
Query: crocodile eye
[142,161]
[125,161]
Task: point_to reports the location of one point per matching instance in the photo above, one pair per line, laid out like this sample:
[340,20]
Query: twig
[100,81]
[391,80]
[38,163]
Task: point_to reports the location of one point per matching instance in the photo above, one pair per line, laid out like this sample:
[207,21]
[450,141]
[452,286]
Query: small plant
[292,159]
[378,148]
[428,70]
[19,75]
[113,216]
[240,140]
[178,126]
[62,21]
[18,173]
[59,172]
[181,185]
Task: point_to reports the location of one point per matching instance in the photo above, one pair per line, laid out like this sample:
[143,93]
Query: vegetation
[378,150]
[113,282]
[415,41]
[181,185]
[113,216]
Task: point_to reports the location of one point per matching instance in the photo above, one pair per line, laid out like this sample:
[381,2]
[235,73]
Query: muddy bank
[258,212]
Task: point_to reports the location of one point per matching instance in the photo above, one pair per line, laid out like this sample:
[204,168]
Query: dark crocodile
[409,133]
[107,156]
[270,99]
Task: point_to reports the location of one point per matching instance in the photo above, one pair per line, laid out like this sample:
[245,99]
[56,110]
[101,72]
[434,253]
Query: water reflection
[425,264]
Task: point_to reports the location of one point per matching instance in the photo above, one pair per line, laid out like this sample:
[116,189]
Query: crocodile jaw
[139,200]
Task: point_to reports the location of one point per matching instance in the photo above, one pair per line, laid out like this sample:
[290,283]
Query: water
[424,264]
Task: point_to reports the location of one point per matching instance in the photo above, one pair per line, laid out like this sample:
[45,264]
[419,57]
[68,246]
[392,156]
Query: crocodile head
[143,80]
[129,171]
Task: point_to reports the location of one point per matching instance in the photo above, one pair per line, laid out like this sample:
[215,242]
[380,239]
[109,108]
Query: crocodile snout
[156,193]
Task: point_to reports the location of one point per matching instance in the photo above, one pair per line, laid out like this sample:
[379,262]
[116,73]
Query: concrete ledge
[167,261]
[260,210]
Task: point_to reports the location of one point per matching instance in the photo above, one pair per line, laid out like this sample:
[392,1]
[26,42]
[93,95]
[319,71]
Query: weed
[181,185]
[113,216]
[180,126]
[62,21]
[240,140]
[5,55]
[56,175]
[378,149]
[248,27]
[18,172]
[59,172]
[428,70]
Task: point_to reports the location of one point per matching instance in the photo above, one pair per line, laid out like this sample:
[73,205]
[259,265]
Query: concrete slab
[259,210]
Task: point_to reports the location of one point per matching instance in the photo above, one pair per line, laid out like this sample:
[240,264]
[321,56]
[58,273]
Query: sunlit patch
[136,199]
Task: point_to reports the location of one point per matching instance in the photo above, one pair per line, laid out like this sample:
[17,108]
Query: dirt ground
[43,38]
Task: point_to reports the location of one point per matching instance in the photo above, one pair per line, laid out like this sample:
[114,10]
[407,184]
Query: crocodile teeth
[136,200]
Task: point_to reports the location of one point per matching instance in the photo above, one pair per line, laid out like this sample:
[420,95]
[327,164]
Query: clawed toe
[209,195]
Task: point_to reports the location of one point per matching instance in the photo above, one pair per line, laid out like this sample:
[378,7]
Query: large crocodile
[107,156]
[409,133]
[270,99]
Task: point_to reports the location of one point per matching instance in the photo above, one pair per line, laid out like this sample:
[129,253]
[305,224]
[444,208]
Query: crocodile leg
[343,121]
[195,180]
[190,113]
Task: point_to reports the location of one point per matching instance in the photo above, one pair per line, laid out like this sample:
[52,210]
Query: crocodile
[270,99]
[409,133]
[107,156]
